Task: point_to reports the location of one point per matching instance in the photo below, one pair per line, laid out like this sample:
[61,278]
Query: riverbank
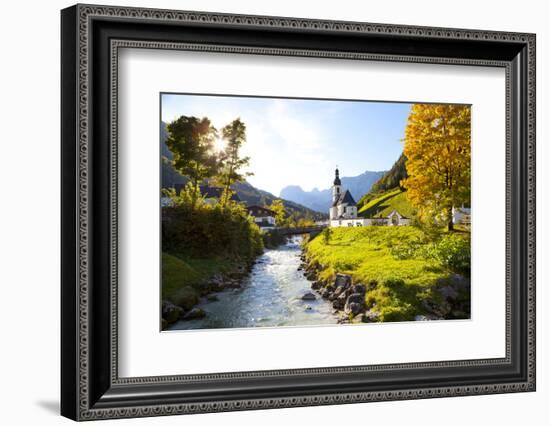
[388,274]
[186,281]
[274,293]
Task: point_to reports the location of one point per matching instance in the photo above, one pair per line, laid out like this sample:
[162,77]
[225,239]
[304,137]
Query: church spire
[337,177]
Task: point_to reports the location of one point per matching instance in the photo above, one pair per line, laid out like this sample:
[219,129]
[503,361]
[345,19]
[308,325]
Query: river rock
[232,284]
[370,316]
[340,302]
[448,292]
[327,292]
[309,296]
[339,290]
[194,313]
[353,308]
[426,317]
[441,309]
[355,304]
[342,280]
[356,298]
[170,312]
[212,298]
[316,285]
[311,276]
[360,289]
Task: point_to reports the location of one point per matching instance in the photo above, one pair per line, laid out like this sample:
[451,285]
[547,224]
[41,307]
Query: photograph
[305,212]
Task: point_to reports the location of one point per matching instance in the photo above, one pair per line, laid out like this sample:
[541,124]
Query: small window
[358,224]
[350,224]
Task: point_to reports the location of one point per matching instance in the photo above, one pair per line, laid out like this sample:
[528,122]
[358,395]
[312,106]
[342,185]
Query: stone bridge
[313,230]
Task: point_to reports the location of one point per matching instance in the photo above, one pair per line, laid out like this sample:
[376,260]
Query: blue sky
[299,141]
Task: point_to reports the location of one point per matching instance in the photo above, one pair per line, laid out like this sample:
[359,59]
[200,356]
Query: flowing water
[270,297]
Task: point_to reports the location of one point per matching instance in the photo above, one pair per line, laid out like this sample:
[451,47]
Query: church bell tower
[337,186]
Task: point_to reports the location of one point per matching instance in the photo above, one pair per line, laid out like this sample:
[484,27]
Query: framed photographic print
[263,212]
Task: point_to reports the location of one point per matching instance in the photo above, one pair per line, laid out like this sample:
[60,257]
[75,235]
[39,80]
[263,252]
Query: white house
[263,217]
[393,219]
[462,215]
[343,211]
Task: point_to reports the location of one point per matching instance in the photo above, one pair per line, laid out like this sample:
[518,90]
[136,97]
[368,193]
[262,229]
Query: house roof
[345,198]
[399,214]
[259,211]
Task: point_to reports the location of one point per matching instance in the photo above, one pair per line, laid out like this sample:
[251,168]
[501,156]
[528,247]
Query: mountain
[392,177]
[388,182]
[245,191]
[387,195]
[319,200]
[254,196]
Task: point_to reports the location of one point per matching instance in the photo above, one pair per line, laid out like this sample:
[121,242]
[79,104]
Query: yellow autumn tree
[437,147]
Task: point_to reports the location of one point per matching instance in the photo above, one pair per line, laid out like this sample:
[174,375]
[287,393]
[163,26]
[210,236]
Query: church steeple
[336,187]
[337,177]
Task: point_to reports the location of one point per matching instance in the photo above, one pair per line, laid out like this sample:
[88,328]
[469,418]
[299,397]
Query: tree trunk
[450,224]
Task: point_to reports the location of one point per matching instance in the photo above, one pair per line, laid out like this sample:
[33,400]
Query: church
[343,210]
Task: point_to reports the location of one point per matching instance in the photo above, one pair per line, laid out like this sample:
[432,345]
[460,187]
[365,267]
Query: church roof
[345,198]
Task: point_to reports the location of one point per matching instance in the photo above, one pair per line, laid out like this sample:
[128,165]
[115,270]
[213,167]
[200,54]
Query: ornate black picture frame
[91,36]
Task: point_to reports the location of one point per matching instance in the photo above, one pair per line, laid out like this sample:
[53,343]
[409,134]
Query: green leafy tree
[327,235]
[278,208]
[191,141]
[231,163]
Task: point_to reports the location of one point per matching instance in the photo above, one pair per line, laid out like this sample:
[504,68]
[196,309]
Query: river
[270,297]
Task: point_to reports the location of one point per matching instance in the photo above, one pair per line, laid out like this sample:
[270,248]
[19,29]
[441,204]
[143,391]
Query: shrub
[453,251]
[210,231]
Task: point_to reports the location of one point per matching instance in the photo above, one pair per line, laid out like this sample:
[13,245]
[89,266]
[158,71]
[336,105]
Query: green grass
[382,204]
[394,260]
[183,279]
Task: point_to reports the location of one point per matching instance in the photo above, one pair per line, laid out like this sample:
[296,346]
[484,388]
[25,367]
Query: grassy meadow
[402,266]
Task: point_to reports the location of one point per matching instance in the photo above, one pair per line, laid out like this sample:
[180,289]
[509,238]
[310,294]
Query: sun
[219,144]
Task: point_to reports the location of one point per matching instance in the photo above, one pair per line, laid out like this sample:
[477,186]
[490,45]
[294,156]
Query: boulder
[339,302]
[170,312]
[356,298]
[212,298]
[353,308]
[316,285]
[427,317]
[342,280]
[194,313]
[355,304]
[359,288]
[440,310]
[448,292]
[370,316]
[339,290]
[311,276]
[232,284]
[325,293]
[309,296]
